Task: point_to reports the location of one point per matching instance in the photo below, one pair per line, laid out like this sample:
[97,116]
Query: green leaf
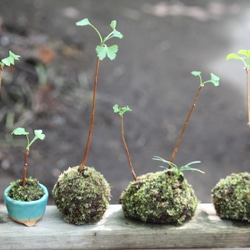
[215,79]
[19,131]
[196,73]
[111,51]
[39,134]
[103,51]
[117,34]
[116,108]
[14,56]
[121,110]
[244,52]
[83,22]
[234,56]
[113,24]
[186,168]
[10,60]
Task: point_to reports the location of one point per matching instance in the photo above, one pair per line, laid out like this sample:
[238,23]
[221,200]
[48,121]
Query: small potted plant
[81,193]
[26,198]
[163,197]
[231,196]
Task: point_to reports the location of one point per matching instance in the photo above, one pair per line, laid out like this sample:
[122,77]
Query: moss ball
[82,198]
[159,198]
[231,197]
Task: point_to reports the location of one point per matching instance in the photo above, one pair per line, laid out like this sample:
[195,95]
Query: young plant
[244,56]
[102,51]
[8,61]
[121,111]
[38,134]
[175,169]
[215,81]
[81,193]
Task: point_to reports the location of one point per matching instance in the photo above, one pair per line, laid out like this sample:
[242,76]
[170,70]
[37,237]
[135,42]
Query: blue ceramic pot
[26,212]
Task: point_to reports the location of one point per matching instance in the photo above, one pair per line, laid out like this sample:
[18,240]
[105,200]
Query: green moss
[30,192]
[159,198]
[81,197]
[231,197]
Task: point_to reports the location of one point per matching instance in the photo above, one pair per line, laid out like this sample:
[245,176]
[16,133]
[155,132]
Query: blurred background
[50,88]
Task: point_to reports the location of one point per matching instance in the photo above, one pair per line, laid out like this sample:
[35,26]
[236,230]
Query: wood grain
[204,230]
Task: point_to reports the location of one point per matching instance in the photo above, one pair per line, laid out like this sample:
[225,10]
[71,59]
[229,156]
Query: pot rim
[43,198]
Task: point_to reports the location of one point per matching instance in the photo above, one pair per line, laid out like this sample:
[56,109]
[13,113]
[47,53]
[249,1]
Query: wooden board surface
[205,230]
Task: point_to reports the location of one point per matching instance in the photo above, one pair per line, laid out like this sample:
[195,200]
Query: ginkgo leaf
[113,24]
[215,79]
[83,22]
[101,51]
[10,60]
[39,134]
[117,34]
[244,52]
[196,73]
[19,131]
[234,56]
[121,110]
[116,108]
[111,51]
[14,56]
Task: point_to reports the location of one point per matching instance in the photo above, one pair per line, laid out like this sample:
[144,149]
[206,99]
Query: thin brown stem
[248,99]
[82,166]
[25,166]
[185,125]
[1,70]
[126,150]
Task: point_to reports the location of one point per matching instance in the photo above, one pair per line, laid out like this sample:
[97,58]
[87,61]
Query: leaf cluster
[38,134]
[243,55]
[174,168]
[10,60]
[121,110]
[214,79]
[103,50]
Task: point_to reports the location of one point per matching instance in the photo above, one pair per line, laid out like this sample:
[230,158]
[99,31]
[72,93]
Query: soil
[50,88]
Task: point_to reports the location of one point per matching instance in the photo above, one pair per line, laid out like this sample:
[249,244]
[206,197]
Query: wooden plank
[205,230]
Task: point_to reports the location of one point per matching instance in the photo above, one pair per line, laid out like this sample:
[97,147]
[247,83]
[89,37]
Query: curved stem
[126,150]
[82,166]
[185,125]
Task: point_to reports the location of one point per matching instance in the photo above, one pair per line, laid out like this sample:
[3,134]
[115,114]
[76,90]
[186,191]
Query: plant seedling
[175,169]
[121,111]
[38,134]
[244,56]
[214,79]
[81,193]
[102,51]
[7,61]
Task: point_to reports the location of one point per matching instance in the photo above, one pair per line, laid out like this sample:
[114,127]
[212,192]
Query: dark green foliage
[82,197]
[159,198]
[30,192]
[231,197]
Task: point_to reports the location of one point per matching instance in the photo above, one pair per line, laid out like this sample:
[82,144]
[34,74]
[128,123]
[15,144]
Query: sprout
[174,168]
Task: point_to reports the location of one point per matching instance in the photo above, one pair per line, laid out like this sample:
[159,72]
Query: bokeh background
[51,88]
